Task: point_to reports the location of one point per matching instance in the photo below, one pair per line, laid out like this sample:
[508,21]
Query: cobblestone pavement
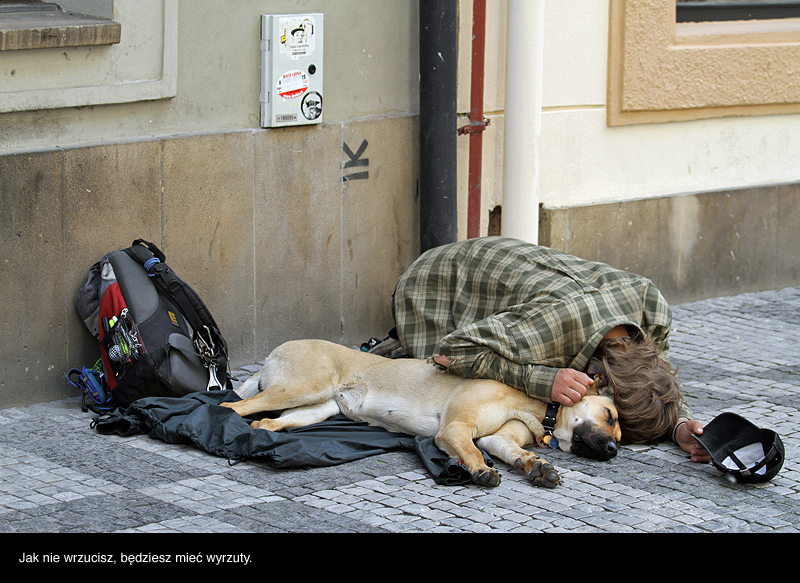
[740,354]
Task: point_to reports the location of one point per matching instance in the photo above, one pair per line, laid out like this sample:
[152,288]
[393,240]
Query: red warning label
[292,84]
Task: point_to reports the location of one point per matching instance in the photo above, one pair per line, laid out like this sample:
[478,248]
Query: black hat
[740,449]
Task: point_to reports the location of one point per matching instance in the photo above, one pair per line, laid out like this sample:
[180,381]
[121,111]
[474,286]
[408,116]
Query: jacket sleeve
[475,352]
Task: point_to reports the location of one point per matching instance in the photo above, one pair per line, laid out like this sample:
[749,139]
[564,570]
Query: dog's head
[590,428]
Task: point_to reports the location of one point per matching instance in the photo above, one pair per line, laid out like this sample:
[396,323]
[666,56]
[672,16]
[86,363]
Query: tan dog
[311,380]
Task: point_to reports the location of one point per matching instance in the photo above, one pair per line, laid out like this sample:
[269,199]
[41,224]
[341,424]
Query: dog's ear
[597,371]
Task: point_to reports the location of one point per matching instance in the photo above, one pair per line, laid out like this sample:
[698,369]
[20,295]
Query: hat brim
[733,443]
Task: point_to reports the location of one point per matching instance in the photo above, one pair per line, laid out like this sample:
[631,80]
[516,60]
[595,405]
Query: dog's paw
[544,475]
[265,424]
[486,477]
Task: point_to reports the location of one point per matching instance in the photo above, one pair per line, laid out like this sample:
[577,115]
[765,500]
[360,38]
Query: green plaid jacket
[508,310]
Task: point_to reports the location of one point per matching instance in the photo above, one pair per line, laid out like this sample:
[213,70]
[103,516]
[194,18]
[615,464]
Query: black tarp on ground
[198,420]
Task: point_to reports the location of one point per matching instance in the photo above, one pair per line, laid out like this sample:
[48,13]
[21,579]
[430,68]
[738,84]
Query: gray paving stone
[737,354]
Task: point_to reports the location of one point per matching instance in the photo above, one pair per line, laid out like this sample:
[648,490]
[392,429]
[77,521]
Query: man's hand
[442,360]
[683,437]
[570,385]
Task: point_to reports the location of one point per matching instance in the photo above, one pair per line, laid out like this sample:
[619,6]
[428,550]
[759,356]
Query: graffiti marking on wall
[356,161]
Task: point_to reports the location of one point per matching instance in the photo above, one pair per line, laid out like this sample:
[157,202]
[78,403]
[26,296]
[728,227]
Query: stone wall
[277,233]
[692,246]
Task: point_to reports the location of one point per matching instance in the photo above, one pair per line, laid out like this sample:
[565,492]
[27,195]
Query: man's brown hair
[646,390]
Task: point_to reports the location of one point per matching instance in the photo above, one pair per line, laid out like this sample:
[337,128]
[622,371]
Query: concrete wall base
[279,231]
[692,246]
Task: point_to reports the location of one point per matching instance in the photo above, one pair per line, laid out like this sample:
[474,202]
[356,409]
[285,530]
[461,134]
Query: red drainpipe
[477,123]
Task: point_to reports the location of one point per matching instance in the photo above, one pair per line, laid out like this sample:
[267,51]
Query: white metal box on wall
[291,69]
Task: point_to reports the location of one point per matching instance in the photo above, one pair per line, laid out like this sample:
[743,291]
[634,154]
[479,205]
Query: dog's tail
[250,387]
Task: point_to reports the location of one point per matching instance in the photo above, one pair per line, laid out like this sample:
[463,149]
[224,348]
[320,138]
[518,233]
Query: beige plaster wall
[587,159]
[210,61]
[663,71]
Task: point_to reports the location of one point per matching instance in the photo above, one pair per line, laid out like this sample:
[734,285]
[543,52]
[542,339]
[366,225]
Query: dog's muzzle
[590,443]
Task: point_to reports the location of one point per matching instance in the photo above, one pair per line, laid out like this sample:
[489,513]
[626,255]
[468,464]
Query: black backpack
[157,337]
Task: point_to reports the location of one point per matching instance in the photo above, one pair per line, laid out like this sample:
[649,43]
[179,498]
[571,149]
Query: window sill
[739,33]
[42,29]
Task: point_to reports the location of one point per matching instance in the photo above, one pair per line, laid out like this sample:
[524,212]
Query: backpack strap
[211,345]
[95,394]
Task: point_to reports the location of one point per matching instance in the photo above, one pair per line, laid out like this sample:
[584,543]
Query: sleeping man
[535,318]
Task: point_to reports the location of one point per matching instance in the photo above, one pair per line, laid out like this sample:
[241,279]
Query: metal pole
[438,131]
[476,122]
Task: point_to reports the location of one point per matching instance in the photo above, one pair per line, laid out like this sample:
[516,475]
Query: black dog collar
[549,424]
[549,421]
